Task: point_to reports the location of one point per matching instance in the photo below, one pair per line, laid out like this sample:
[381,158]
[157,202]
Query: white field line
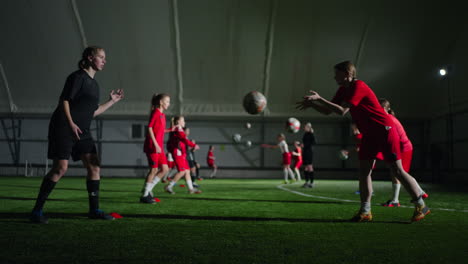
[282,187]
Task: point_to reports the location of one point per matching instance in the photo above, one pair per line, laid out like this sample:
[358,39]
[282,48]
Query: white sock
[420,190]
[156,180]
[189,184]
[396,192]
[148,187]
[291,174]
[213,174]
[419,201]
[365,207]
[298,174]
[171,174]
[285,172]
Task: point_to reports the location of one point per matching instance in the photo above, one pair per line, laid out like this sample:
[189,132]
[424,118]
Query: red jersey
[178,141]
[298,158]
[209,158]
[365,108]
[158,123]
[405,143]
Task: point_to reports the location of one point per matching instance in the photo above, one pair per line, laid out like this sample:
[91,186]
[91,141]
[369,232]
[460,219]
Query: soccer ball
[254,102]
[248,125]
[293,125]
[237,138]
[248,143]
[343,154]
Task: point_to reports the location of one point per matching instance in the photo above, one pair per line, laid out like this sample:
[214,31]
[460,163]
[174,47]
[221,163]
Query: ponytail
[84,63]
[386,105]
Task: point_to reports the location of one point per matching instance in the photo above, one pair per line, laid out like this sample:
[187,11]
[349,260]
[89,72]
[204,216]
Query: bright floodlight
[442,72]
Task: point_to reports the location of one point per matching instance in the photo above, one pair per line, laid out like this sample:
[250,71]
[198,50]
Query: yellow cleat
[420,212]
[362,217]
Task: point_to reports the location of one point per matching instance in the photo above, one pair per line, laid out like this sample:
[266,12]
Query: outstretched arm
[114,97]
[322,105]
[269,146]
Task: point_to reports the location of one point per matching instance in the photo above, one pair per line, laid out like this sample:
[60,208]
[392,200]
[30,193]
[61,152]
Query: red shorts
[298,164]
[406,158]
[210,163]
[287,158]
[170,161]
[381,140]
[181,162]
[155,160]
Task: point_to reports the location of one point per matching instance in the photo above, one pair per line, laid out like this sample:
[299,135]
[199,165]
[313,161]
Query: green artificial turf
[232,221]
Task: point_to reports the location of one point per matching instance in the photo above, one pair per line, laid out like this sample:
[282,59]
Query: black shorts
[61,148]
[307,157]
[191,163]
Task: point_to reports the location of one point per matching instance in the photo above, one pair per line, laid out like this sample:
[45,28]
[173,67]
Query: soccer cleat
[391,203]
[147,199]
[168,189]
[39,218]
[362,217]
[425,195]
[310,185]
[306,185]
[195,185]
[420,211]
[194,191]
[285,182]
[99,214]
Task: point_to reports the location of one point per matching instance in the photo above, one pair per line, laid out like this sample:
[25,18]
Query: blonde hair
[347,67]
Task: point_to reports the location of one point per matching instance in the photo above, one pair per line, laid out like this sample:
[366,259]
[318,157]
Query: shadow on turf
[24,218]
[252,200]
[26,199]
[64,188]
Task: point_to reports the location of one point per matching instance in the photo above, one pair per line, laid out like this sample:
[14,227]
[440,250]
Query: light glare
[442,72]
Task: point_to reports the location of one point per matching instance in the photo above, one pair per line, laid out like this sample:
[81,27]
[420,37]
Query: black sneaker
[99,214]
[39,218]
[195,185]
[147,199]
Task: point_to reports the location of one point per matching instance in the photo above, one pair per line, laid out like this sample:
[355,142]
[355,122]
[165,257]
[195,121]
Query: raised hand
[116,95]
[314,96]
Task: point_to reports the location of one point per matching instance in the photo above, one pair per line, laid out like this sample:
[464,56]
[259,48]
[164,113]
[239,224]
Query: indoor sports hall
[233,131]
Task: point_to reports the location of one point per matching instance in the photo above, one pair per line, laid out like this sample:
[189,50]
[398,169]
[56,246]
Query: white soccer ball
[248,143]
[343,154]
[237,138]
[293,125]
[248,125]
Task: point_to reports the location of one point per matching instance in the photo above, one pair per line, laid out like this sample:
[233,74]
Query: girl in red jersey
[406,156]
[154,146]
[297,157]
[283,146]
[177,146]
[210,160]
[379,135]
